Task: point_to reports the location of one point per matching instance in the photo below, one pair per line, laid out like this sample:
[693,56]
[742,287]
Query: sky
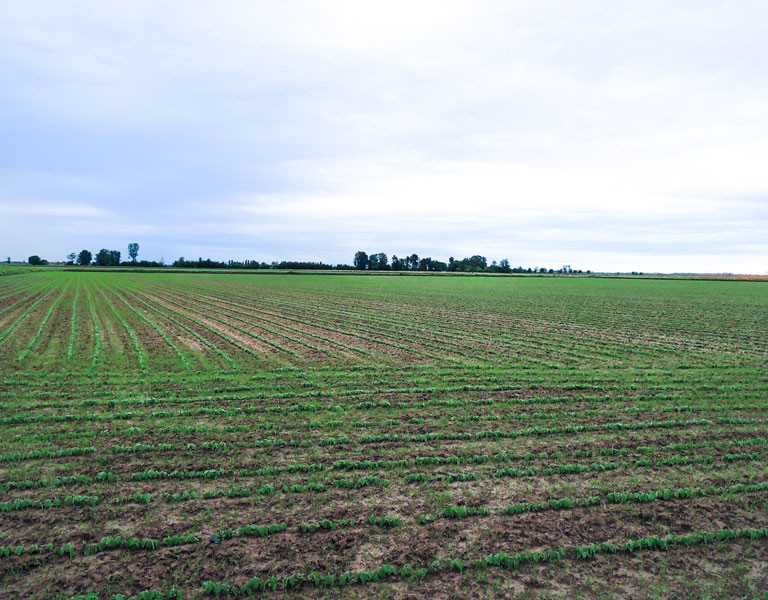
[608,135]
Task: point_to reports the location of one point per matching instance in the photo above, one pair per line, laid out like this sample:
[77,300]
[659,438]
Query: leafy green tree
[103,258]
[108,258]
[36,260]
[71,257]
[361,260]
[133,251]
[378,262]
[84,258]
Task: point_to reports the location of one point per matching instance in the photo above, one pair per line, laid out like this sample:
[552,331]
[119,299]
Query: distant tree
[71,258]
[84,258]
[361,260]
[378,262]
[472,264]
[36,260]
[133,251]
[396,264]
[108,258]
[103,258]
[413,262]
[504,266]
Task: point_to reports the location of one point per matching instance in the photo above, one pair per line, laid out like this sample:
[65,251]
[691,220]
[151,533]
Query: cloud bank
[608,135]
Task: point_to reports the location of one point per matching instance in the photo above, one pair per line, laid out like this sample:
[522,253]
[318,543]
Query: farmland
[217,435]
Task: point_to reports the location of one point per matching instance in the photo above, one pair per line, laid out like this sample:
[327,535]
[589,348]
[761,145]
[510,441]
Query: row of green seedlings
[197,430]
[24,315]
[501,560]
[73,324]
[503,457]
[366,405]
[268,490]
[140,356]
[343,464]
[409,438]
[491,434]
[96,330]
[446,478]
[602,412]
[461,512]
[38,454]
[253,530]
[361,482]
[454,512]
[145,498]
[39,332]
[421,389]
[193,429]
[25,503]
[22,549]
[635,497]
[132,543]
[25,484]
[511,457]
[152,474]
[395,437]
[162,447]
[566,469]
[203,429]
[235,411]
[137,498]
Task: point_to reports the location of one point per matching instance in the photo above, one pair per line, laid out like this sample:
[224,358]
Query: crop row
[24,503]
[346,465]
[499,560]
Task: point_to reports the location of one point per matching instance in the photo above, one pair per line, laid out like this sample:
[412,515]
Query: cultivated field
[193,435]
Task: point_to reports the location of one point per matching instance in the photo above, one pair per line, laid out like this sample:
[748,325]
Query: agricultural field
[189,435]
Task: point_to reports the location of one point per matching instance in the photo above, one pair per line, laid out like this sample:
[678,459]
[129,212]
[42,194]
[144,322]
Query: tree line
[473,264]
[207,263]
[362,262]
[107,258]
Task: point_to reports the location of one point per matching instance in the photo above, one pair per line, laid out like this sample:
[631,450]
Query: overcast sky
[608,135]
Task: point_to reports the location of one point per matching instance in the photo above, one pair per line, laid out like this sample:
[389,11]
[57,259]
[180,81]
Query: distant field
[210,435]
